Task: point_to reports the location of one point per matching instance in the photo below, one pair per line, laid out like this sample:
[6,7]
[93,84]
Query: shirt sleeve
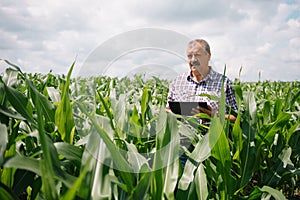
[171,92]
[230,96]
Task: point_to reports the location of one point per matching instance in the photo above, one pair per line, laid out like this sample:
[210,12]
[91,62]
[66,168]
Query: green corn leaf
[277,108]
[281,121]
[267,111]
[250,104]
[238,91]
[10,77]
[142,187]
[157,181]
[291,131]
[171,156]
[135,124]
[13,65]
[97,158]
[285,157]
[107,109]
[249,147]
[135,159]
[201,152]
[222,108]
[201,183]
[255,194]
[64,113]
[25,163]
[166,163]
[5,111]
[240,71]
[221,152]
[237,136]
[19,102]
[3,141]
[118,159]
[119,113]
[33,165]
[247,154]
[144,103]
[244,154]
[6,193]
[46,106]
[53,94]
[294,99]
[101,184]
[46,161]
[7,174]
[275,193]
[70,152]
[71,193]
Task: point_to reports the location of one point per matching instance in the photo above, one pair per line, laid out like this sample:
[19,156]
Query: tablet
[185,108]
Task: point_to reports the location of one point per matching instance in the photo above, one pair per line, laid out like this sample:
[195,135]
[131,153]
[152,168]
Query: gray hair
[202,42]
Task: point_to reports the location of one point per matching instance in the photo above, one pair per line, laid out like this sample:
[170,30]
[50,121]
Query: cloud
[258,35]
[264,49]
[184,11]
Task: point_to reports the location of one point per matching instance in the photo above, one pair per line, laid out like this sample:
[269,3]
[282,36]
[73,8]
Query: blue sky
[261,36]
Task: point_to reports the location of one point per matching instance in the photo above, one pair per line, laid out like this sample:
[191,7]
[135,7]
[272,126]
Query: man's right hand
[207,110]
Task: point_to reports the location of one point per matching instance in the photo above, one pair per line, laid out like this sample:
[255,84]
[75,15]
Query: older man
[201,79]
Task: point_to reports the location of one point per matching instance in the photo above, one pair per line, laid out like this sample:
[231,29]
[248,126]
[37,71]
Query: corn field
[111,138]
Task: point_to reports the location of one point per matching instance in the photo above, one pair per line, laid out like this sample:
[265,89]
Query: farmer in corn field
[201,79]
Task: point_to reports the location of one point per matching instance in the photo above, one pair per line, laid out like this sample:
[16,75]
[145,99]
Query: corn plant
[110,138]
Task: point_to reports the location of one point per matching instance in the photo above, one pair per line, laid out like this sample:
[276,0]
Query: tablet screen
[185,108]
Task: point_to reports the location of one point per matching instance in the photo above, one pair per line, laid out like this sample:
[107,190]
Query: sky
[254,39]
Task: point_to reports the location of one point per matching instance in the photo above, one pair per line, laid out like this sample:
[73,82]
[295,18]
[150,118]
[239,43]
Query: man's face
[197,58]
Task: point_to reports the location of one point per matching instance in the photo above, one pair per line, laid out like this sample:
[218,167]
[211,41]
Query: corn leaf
[71,193]
[136,159]
[275,193]
[70,152]
[6,193]
[3,141]
[280,122]
[142,187]
[201,152]
[157,180]
[46,161]
[221,152]
[64,113]
[10,77]
[171,156]
[19,102]
[118,159]
[201,183]
[46,106]
[25,163]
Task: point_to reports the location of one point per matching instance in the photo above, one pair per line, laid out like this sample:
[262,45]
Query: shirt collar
[206,78]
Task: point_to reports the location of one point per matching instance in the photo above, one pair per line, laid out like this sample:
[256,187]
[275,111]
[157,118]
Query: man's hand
[168,109]
[209,111]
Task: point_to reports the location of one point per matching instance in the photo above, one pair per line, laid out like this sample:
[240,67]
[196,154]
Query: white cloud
[258,35]
[294,42]
[264,49]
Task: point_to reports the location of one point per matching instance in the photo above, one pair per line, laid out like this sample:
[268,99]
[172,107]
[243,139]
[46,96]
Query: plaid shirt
[185,88]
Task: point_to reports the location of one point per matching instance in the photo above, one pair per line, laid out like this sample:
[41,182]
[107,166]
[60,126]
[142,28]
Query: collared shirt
[186,88]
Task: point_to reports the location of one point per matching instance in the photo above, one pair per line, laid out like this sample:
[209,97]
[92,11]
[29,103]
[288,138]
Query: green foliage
[109,138]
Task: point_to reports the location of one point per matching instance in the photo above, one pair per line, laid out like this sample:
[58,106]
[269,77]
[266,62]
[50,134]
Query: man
[201,79]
